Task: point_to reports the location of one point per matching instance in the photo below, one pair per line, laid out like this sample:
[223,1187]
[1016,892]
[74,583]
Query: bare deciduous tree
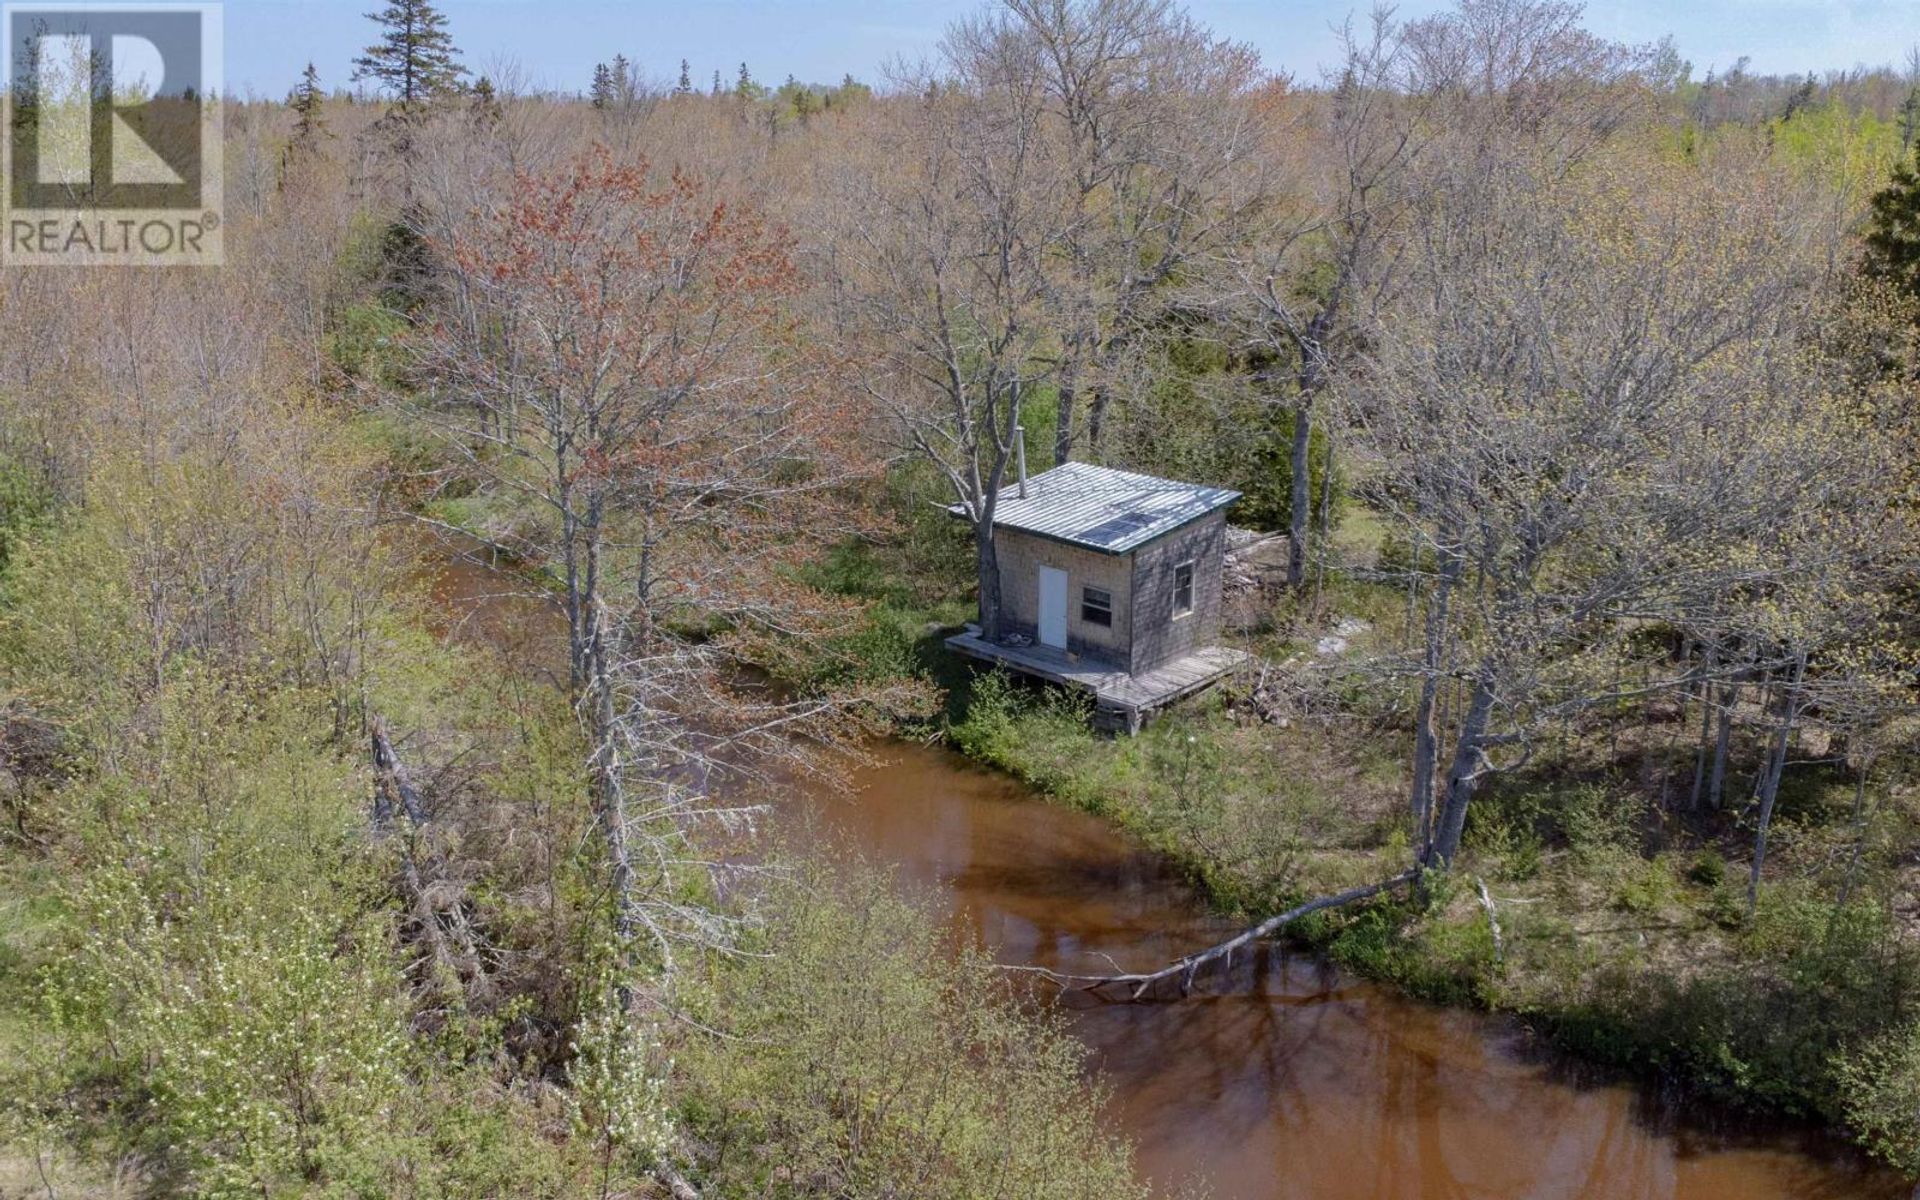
[941,274]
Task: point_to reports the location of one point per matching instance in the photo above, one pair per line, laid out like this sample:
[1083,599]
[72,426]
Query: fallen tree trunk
[1186,968]
[393,787]
[452,959]
[676,1183]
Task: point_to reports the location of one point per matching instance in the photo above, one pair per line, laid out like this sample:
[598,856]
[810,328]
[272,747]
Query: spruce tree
[685,86]
[626,82]
[602,93]
[308,125]
[484,105]
[1893,230]
[415,59]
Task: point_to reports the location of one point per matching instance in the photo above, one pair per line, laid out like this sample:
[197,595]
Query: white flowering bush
[227,965]
[269,1050]
[618,1077]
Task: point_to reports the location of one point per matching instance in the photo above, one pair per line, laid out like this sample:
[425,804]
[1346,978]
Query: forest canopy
[1573,399]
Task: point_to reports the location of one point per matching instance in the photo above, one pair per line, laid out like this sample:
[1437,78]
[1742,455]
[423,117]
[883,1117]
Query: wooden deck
[1121,701]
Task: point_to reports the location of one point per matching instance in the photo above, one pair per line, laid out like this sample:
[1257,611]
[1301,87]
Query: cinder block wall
[1157,635]
[1022,555]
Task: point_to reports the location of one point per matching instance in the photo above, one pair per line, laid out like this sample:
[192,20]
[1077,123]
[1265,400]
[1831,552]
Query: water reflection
[1290,1080]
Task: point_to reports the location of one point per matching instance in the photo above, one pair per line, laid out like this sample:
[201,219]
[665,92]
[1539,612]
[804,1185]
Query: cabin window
[1183,589]
[1096,606]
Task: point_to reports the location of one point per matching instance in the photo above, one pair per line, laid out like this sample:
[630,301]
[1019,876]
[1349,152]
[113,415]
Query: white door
[1053,608]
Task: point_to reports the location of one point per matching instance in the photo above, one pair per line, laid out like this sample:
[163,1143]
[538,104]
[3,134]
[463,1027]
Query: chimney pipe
[1020,447]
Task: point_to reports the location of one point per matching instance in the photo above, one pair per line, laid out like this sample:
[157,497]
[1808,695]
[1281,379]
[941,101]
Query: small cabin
[1110,581]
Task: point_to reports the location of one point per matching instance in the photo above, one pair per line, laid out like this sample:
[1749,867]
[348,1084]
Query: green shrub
[364,341]
[987,731]
[863,1058]
[1880,1080]
[26,502]
[1708,869]
[1596,822]
[1645,886]
[1774,1034]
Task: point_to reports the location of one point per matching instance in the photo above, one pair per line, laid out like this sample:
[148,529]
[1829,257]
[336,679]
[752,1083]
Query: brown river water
[1287,1079]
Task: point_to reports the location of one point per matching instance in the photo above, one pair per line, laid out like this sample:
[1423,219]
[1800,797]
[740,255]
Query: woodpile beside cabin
[1111,582]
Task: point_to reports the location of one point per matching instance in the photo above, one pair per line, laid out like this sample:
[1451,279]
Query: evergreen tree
[308,125]
[415,59]
[745,88]
[602,93]
[626,82]
[716,81]
[1800,99]
[685,85]
[1893,230]
[485,105]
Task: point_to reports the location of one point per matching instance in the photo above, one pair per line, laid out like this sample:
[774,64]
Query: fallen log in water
[1186,968]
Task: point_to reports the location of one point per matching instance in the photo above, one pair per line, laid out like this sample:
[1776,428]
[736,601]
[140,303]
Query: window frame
[1088,605]
[1180,610]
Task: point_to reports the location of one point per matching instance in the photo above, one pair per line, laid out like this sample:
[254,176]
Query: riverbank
[1289,1052]
[1623,931]
[244,956]
[1242,1086]
[1250,815]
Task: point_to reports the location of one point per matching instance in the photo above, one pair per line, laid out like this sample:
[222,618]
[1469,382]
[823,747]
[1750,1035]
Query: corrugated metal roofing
[1104,509]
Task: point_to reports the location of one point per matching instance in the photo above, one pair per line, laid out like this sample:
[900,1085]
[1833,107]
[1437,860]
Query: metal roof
[1104,509]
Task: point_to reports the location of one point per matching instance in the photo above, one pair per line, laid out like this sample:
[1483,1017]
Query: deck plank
[1113,688]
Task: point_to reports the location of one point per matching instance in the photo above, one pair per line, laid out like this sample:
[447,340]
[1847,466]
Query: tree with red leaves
[621,357]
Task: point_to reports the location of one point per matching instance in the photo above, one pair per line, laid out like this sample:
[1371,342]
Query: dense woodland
[1579,392]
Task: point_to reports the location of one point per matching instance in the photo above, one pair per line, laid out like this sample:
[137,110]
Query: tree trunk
[1464,776]
[1065,401]
[987,565]
[1323,520]
[1859,836]
[609,796]
[1097,423]
[1706,735]
[1716,782]
[1425,745]
[1301,504]
[1770,781]
[1185,969]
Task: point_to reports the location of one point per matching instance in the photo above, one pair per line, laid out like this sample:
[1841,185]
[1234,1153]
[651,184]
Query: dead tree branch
[1187,968]
[1493,919]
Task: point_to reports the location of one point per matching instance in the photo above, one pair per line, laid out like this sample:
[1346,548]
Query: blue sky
[556,42]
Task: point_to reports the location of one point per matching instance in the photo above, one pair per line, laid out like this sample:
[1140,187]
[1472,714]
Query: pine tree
[415,58]
[685,86]
[602,93]
[716,81]
[1893,230]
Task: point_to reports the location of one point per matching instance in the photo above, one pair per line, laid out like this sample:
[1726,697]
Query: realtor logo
[114,135]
